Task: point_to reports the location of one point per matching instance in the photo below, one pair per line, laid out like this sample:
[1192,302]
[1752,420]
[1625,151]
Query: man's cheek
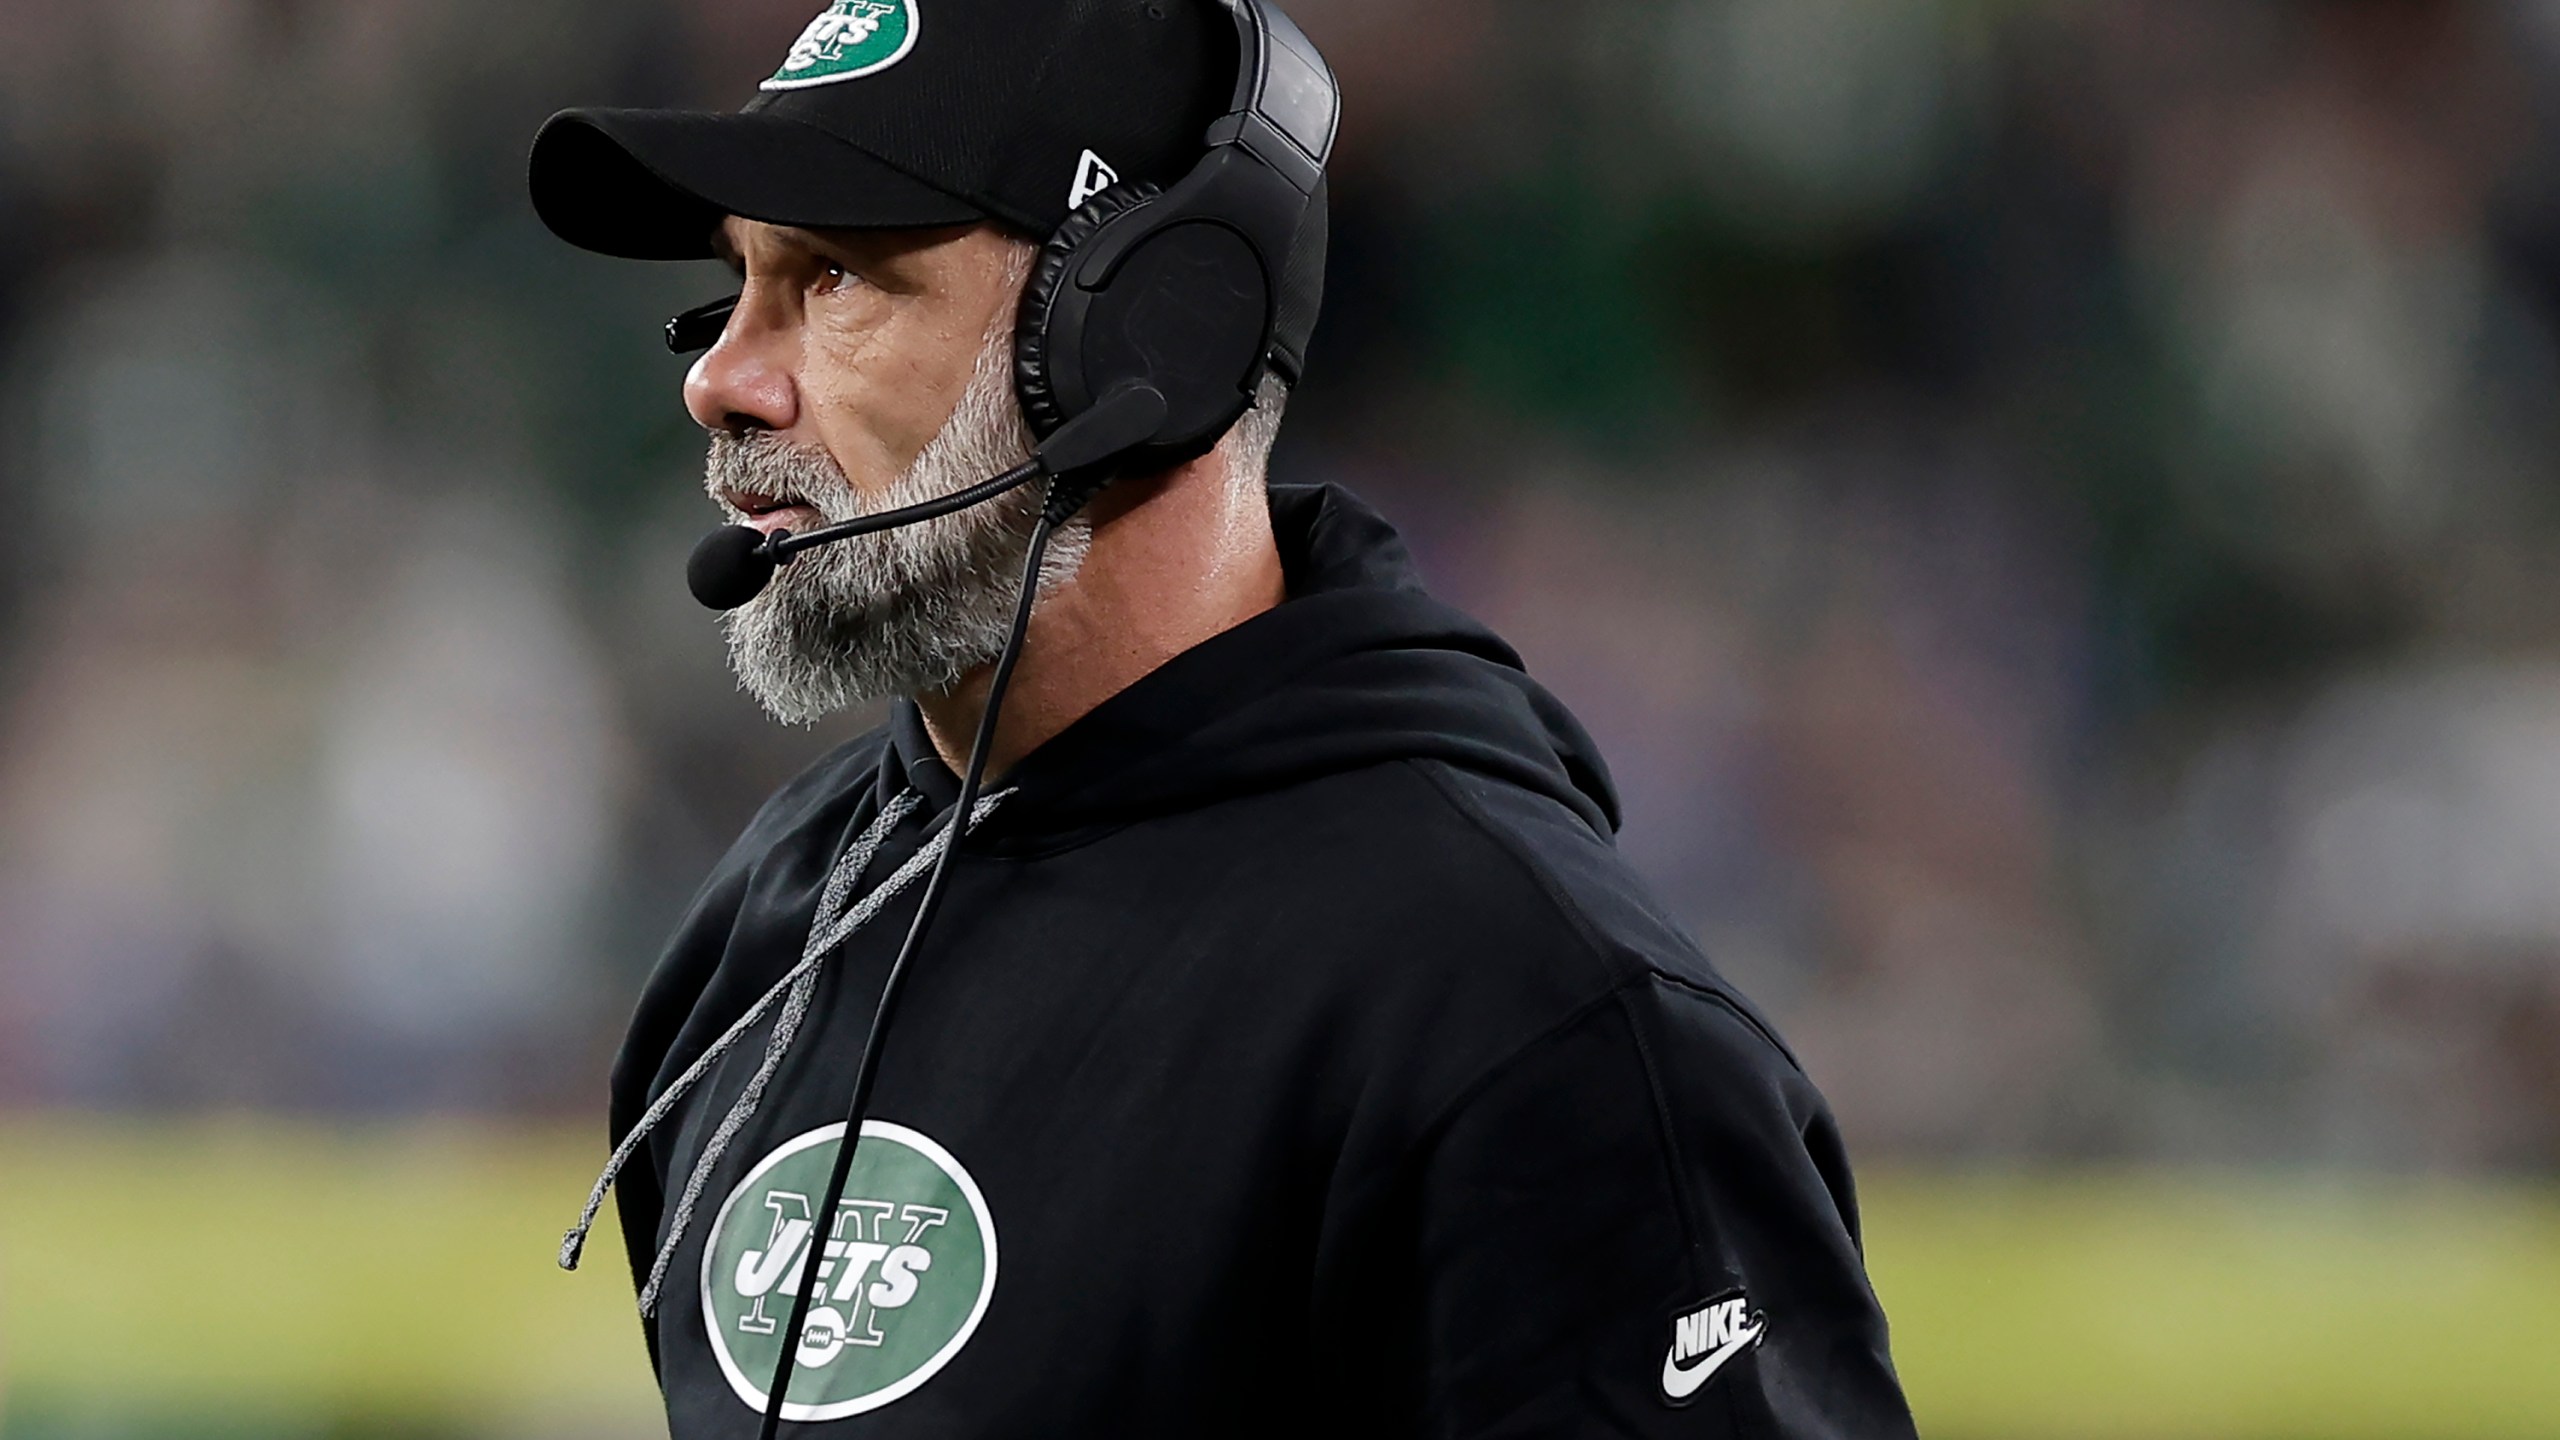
[901,386]
[863,442]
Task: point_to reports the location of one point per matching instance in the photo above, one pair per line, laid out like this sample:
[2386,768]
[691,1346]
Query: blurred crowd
[2048,506]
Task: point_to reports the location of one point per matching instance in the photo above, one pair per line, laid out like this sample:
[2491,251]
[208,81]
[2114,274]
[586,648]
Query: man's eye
[831,278]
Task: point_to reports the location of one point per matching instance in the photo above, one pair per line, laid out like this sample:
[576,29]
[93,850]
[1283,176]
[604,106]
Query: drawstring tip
[572,1246]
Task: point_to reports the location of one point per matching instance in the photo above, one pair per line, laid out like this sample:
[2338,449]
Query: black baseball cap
[897,114]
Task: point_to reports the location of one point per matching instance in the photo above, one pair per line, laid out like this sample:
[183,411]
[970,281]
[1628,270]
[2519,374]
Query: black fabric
[1323,1068]
[654,184]
[993,110]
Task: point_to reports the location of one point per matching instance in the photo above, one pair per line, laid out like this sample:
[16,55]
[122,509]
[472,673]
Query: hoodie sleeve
[1643,1226]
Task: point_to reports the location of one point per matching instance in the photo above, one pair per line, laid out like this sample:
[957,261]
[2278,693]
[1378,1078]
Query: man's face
[863,373]
[859,344]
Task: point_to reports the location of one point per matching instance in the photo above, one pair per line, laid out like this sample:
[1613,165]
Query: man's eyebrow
[813,242]
[791,237]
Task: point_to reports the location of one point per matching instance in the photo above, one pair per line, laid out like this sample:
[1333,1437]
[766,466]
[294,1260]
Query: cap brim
[655,184]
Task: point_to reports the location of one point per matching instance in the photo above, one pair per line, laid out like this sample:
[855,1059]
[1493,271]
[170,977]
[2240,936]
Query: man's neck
[1173,563]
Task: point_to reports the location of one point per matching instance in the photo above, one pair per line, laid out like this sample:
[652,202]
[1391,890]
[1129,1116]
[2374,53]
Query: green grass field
[218,1280]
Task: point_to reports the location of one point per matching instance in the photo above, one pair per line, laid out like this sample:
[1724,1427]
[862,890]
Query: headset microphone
[733,566]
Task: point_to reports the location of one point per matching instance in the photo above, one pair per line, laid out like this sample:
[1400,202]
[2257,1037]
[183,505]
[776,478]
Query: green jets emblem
[904,1271]
[852,39]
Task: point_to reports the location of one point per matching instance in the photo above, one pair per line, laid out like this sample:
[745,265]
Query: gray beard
[911,611]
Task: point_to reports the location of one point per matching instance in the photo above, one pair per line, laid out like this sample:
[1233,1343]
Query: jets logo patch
[851,39]
[899,1276]
[1706,1340]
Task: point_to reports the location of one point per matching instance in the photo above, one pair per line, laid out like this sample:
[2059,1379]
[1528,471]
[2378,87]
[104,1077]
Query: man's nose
[742,383]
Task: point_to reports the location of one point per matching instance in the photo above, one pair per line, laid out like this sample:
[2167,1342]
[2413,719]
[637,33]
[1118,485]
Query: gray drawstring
[832,926]
[786,1028]
[857,858]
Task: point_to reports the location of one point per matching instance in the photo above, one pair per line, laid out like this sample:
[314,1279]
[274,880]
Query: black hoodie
[1294,1055]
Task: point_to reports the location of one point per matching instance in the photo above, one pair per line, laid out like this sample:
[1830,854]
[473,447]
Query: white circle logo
[902,1277]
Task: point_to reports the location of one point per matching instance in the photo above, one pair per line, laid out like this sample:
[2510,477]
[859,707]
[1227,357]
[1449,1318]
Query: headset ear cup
[1058,258]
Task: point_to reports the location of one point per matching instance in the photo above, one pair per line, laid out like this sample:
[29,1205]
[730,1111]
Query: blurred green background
[2049,506]
[256,1279]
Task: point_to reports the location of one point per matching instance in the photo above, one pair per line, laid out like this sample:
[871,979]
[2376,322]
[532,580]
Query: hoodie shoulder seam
[1574,916]
[1621,983]
[1578,924]
[1571,913]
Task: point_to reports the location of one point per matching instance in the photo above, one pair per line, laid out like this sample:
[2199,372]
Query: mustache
[763,466]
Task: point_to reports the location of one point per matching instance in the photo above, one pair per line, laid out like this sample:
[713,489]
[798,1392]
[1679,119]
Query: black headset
[1197,292]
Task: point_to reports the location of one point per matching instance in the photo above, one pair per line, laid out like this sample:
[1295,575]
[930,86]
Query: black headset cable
[1065,498]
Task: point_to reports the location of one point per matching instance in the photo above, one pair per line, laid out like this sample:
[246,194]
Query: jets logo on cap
[853,38]
[898,1277]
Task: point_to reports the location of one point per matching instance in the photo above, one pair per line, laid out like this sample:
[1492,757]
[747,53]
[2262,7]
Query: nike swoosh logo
[1680,1383]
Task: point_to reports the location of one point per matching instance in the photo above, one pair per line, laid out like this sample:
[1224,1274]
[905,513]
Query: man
[1294,1054]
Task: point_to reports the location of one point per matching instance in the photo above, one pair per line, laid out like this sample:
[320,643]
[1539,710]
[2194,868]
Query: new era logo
[1093,176]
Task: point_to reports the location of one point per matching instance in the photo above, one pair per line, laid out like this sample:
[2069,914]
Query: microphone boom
[731,567]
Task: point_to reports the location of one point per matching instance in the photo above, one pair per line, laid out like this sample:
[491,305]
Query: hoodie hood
[1361,667]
